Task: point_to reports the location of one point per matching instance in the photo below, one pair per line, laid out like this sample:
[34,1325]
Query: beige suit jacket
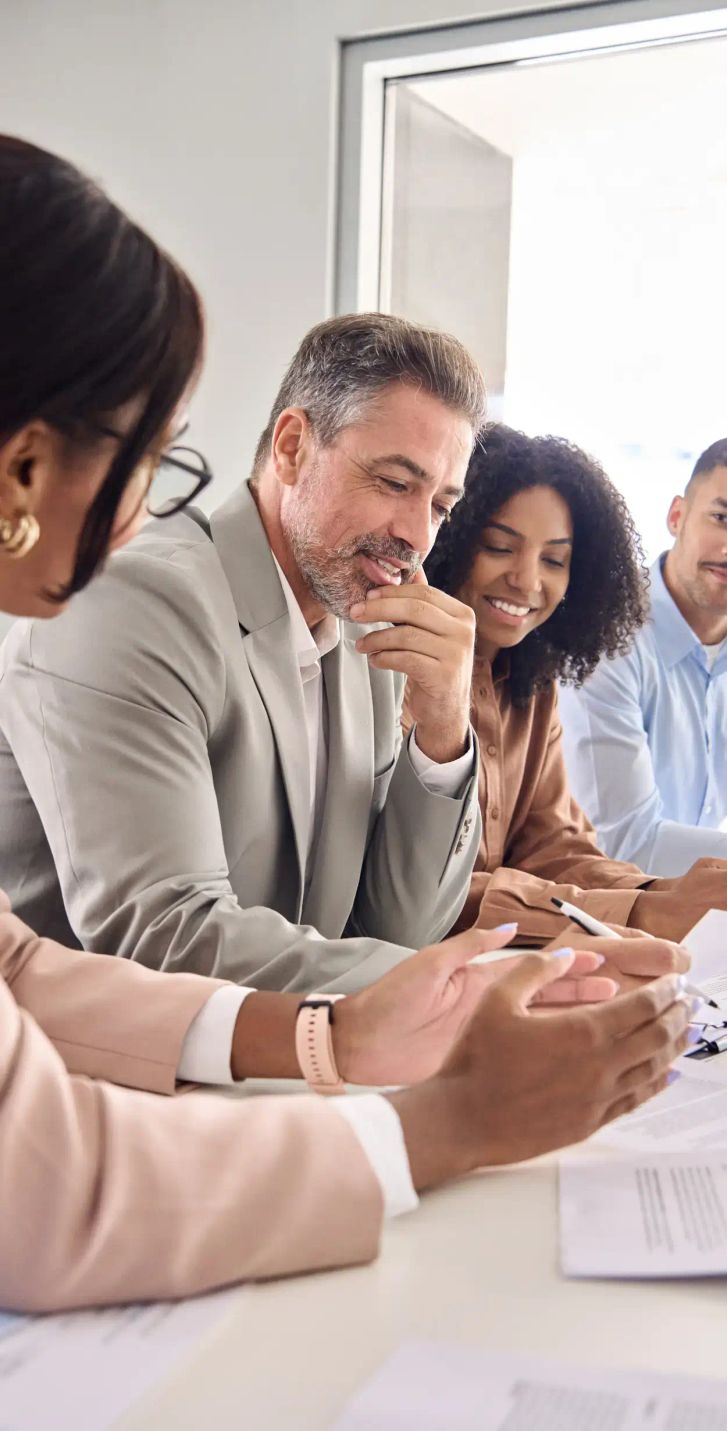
[110,1194]
[154,797]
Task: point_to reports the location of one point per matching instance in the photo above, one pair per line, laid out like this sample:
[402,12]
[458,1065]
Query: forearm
[417,869]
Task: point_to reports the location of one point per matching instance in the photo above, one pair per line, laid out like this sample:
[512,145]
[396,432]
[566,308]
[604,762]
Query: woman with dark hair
[543,549]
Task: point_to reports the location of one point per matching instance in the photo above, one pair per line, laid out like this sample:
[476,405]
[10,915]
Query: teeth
[509,607]
[386,565]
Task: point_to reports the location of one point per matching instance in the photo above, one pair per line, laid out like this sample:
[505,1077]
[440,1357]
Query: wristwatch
[314,1044]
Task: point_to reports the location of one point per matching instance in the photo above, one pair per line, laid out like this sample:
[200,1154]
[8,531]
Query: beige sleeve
[109,1194]
[108,1018]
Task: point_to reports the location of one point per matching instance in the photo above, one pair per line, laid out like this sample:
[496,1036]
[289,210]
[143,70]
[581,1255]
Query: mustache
[388,549]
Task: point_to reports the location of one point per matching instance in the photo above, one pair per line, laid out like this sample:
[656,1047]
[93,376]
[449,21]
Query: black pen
[709,1047]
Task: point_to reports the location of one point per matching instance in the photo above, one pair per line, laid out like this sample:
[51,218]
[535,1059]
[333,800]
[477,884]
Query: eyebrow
[552,542]
[719,502]
[398,459]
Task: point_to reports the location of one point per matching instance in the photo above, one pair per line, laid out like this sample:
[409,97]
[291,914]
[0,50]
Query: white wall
[212,122]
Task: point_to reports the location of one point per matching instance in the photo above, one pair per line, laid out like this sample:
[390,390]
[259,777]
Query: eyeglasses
[176,478]
[179,476]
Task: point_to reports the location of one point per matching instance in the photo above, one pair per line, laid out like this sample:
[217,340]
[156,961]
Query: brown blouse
[536,842]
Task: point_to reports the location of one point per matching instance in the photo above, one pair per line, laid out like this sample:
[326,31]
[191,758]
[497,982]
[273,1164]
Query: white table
[477,1264]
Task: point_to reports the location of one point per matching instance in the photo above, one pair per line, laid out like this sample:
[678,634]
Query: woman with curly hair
[543,549]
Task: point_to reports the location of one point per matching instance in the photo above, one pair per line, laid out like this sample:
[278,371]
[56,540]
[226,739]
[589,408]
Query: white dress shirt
[207,1047]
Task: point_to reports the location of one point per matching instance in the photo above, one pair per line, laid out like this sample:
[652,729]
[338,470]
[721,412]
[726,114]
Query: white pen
[594,926]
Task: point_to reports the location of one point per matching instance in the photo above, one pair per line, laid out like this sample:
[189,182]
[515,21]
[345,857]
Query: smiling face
[520,573]
[365,509]
[696,566]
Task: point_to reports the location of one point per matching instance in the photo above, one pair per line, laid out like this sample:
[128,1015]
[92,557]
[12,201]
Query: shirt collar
[309,645]
[672,633]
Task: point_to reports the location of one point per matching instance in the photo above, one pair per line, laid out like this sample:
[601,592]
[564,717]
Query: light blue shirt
[645,742]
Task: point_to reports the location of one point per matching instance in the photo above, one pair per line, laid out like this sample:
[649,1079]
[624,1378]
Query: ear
[291,442]
[26,461]
[675,515]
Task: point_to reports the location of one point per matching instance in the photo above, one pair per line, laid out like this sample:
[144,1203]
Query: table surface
[478,1264]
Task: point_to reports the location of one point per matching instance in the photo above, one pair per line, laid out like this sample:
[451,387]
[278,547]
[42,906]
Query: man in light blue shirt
[646,737]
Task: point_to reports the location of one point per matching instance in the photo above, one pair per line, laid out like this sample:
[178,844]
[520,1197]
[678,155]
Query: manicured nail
[600,959]
[694,1034]
[506,928]
[682,982]
[673,1075]
[695,1004]
[562,953]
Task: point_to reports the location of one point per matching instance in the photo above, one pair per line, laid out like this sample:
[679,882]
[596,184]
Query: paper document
[707,944]
[691,1113]
[81,1370]
[429,1386]
[653,1216]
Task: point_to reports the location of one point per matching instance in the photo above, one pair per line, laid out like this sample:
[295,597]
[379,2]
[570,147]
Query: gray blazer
[154,777]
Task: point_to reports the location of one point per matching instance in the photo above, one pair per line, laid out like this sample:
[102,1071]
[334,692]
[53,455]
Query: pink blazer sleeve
[110,1194]
[108,1018]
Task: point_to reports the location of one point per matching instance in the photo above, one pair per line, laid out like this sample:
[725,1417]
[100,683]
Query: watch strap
[314,1043]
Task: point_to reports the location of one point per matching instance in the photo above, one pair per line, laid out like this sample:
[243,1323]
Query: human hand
[400,1029]
[431,639]
[669,908]
[515,1086]
[635,960]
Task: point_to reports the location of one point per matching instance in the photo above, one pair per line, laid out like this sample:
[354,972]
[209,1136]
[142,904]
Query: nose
[524,575]
[415,524]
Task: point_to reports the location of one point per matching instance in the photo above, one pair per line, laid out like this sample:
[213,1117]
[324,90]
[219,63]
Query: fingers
[652,1049]
[595,990]
[624,1016]
[420,604]
[628,1102]
[535,972]
[405,638]
[461,948]
[649,957]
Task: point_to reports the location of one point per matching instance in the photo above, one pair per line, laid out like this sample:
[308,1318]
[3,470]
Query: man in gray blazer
[201,761]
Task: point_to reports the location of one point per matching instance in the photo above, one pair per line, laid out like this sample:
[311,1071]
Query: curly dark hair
[606,601]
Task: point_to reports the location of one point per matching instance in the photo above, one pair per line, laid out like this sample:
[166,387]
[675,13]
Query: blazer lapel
[242,546]
[344,826]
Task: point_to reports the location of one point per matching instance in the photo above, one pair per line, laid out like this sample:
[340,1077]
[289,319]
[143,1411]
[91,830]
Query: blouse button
[492,750]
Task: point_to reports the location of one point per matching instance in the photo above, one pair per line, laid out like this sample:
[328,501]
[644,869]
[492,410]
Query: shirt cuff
[207,1048]
[446,779]
[376,1124]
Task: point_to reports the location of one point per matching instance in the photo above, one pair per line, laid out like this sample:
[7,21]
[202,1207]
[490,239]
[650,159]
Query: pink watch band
[314,1045]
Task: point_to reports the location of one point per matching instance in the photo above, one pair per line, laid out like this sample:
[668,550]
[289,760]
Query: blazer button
[492,750]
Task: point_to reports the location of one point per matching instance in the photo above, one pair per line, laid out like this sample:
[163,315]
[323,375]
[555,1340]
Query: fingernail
[694,1004]
[357,610]
[682,982]
[694,1035]
[562,953]
[600,959]
[506,928]
[673,1075]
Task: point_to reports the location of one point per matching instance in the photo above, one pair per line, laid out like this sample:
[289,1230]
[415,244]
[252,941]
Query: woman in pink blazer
[107,1191]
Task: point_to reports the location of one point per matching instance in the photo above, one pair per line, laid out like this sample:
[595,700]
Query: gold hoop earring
[18,537]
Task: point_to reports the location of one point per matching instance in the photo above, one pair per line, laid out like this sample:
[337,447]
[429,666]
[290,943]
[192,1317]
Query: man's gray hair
[344,363]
